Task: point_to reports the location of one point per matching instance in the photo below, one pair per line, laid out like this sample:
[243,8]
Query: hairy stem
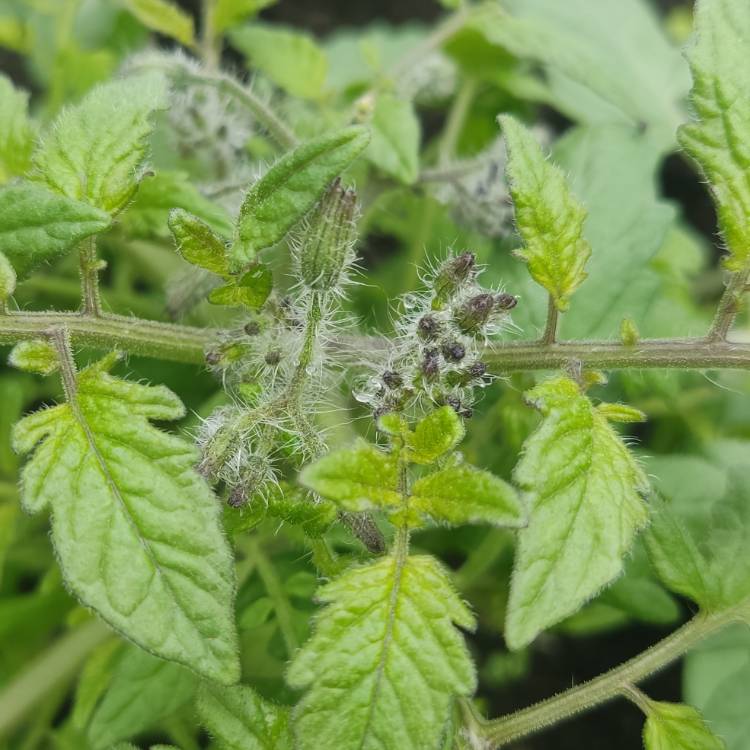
[729,305]
[501,732]
[89,271]
[209,49]
[550,328]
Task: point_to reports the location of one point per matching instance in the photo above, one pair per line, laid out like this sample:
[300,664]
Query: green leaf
[675,726]
[549,218]
[291,59]
[394,148]
[290,188]
[35,355]
[164,18]
[197,243]
[436,434]
[238,717]
[95,150]
[461,494]
[143,691]
[94,680]
[38,226]
[251,289]
[357,479]
[136,530]
[717,139]
[7,279]
[16,131]
[228,13]
[384,662]
[584,492]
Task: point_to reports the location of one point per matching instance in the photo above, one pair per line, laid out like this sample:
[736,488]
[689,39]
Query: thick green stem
[89,270]
[550,329]
[50,669]
[501,732]
[729,305]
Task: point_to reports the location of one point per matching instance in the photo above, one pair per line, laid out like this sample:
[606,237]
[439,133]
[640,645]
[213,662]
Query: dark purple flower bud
[213,358]
[392,379]
[505,301]
[451,277]
[431,364]
[453,351]
[252,328]
[472,315]
[273,357]
[237,497]
[428,327]
[477,369]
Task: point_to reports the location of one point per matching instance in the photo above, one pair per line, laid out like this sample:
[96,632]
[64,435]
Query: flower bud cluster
[436,359]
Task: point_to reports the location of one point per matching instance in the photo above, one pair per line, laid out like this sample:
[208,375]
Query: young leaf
[37,226]
[394,148]
[16,131]
[357,479]
[165,18]
[251,289]
[136,530]
[461,494]
[436,434]
[717,139]
[385,662]
[549,218]
[290,188]
[96,150]
[292,60]
[585,494]
[35,355]
[237,717]
[676,726]
[143,690]
[197,243]
[228,13]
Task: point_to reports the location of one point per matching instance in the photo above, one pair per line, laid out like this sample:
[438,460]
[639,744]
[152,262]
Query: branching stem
[729,305]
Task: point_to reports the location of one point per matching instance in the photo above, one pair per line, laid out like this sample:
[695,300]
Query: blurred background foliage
[604,84]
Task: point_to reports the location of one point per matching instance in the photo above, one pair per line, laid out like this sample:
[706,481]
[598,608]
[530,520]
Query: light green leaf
[197,243]
[147,215]
[7,279]
[228,13]
[461,494]
[251,289]
[239,719]
[436,434]
[549,218]
[394,148]
[385,662]
[143,691]
[165,18]
[95,150]
[719,136]
[35,355]
[136,530]
[16,131]
[290,188]
[357,479]
[584,492]
[37,226]
[676,726]
[291,59]
[621,413]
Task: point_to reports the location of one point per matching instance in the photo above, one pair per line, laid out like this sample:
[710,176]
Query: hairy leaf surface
[675,726]
[394,148]
[436,434]
[584,492]
[16,131]
[136,530]
[239,719]
[719,138]
[385,660]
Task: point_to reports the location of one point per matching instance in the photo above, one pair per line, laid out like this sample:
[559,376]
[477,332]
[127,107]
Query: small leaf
[95,150]
[462,494]
[584,492]
[143,691]
[436,434]
[16,131]
[165,18]
[676,726]
[251,289]
[718,138]
[394,148]
[37,226]
[36,355]
[229,13]
[549,218]
[384,662]
[238,717]
[197,243]
[292,60]
[290,188]
[621,413]
[357,479]
[135,528]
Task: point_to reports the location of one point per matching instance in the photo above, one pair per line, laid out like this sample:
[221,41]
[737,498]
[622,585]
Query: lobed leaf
[394,148]
[290,188]
[385,661]
[676,726]
[38,226]
[239,719]
[17,133]
[584,491]
[136,530]
[548,217]
[95,150]
[719,137]
[165,18]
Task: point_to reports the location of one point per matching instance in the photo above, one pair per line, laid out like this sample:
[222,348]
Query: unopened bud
[431,364]
[392,379]
[326,250]
[505,301]
[453,274]
[473,315]
[428,327]
[460,378]
[453,351]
